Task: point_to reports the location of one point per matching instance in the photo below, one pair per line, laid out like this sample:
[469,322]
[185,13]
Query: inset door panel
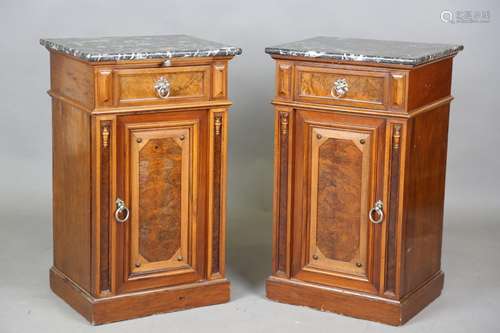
[160,165]
[159,179]
[339,158]
[339,195]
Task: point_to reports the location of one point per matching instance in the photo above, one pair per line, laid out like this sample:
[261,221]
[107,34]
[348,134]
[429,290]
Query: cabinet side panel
[72,79]
[71,192]
[429,83]
[424,196]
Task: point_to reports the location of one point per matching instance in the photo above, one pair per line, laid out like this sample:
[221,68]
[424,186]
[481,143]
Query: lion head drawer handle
[340,88]
[378,211]
[122,213]
[162,87]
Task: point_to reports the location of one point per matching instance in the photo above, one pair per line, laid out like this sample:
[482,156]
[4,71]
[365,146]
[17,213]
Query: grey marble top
[139,47]
[366,50]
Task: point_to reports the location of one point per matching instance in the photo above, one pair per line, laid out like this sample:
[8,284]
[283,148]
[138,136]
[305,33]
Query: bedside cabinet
[139,173]
[360,154]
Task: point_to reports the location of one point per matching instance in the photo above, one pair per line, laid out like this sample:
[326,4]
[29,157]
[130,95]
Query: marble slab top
[366,50]
[139,47]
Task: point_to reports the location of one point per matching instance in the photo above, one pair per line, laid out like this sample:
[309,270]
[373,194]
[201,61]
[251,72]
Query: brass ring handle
[340,88]
[162,87]
[121,209]
[378,209]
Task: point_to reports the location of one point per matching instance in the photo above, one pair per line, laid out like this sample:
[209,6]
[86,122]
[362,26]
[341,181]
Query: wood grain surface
[160,167]
[339,199]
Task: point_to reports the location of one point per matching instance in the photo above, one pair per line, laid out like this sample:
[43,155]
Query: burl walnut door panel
[339,171]
[159,166]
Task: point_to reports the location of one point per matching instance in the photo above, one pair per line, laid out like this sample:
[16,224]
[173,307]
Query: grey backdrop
[471,244]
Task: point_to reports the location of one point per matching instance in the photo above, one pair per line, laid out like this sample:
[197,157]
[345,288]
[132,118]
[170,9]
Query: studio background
[471,298]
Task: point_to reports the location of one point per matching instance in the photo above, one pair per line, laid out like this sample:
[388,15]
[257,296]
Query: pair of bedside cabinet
[139,174]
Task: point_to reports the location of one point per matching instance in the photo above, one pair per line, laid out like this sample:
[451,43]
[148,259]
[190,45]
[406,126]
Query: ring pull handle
[162,87]
[121,210]
[378,211]
[340,88]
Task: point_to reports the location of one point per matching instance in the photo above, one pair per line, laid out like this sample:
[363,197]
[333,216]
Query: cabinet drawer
[148,86]
[368,89]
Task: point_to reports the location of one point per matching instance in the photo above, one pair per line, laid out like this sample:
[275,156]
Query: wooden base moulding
[128,306]
[355,304]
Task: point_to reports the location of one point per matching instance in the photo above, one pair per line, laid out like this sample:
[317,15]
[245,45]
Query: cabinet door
[339,169]
[160,160]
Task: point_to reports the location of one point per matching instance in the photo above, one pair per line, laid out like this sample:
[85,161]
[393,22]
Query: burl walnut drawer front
[345,87]
[148,86]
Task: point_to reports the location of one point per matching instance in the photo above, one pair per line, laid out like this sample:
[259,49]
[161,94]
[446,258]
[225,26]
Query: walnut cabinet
[139,179]
[360,156]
